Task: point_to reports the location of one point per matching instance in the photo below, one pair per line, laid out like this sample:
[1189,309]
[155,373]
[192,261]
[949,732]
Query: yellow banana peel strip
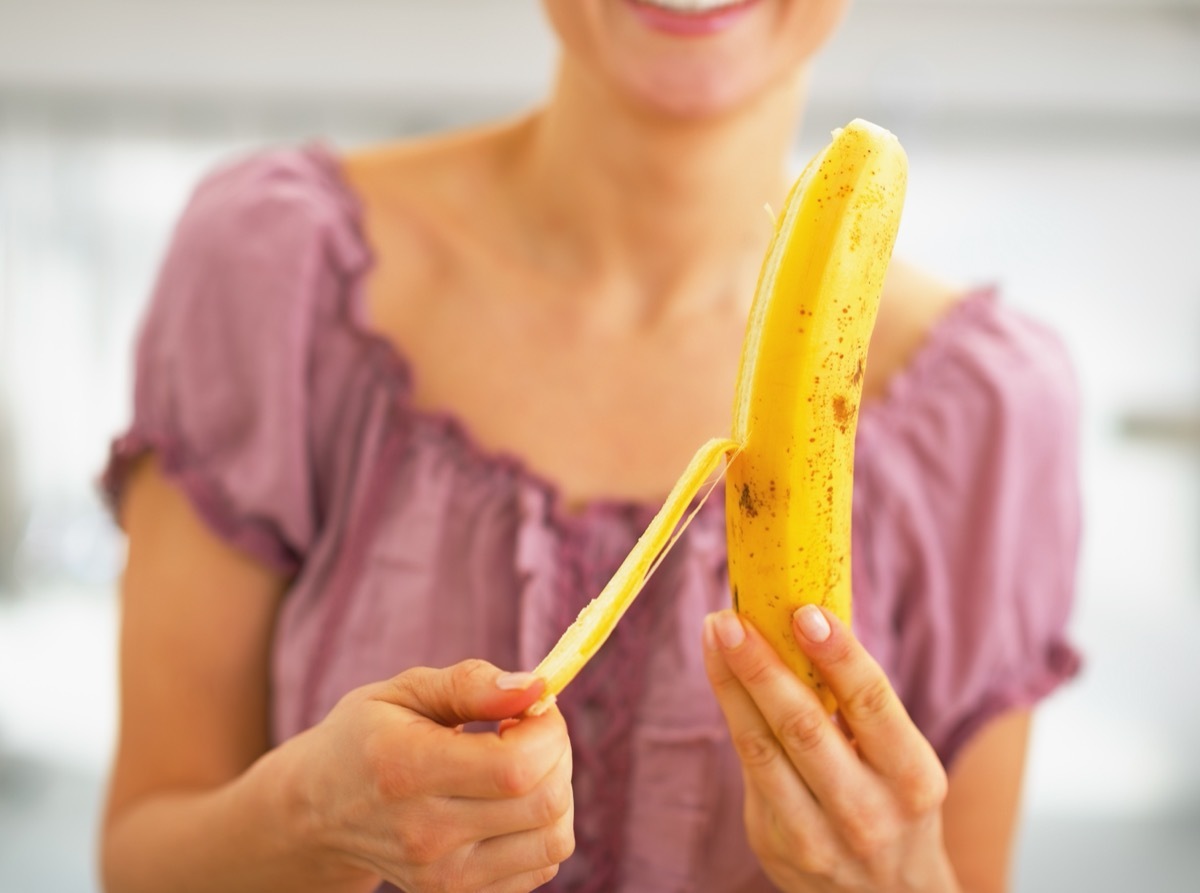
[789,479]
[598,619]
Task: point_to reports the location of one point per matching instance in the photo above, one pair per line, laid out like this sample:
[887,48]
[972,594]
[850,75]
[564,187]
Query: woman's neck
[667,215]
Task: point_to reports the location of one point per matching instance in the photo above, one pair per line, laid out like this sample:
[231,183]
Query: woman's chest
[605,412]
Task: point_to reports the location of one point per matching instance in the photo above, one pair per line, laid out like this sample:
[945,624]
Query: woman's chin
[692,96]
[692,59]
[693,104]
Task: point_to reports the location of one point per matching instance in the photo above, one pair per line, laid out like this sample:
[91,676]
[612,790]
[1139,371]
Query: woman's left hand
[826,809]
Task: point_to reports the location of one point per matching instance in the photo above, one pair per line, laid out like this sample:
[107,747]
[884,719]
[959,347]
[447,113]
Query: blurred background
[1055,150]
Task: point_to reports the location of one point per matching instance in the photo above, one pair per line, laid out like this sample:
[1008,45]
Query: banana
[789,464]
[788,494]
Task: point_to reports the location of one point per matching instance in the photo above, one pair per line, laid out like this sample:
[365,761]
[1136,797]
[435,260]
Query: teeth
[692,5]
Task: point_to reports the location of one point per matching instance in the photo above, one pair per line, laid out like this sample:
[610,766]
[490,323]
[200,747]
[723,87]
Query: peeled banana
[788,495]
[790,459]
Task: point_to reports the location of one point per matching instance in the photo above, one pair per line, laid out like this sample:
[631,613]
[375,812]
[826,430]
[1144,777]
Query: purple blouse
[290,427]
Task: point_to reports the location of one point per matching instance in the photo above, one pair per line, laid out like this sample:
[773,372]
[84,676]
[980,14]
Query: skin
[602,251]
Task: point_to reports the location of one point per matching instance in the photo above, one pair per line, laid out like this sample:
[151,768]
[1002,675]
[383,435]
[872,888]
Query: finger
[453,823]
[526,852]
[811,740]
[484,818]
[768,770]
[796,717]
[887,738]
[473,690]
[523,883]
[483,765]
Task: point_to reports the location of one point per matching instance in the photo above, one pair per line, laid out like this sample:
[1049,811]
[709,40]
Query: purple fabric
[290,427]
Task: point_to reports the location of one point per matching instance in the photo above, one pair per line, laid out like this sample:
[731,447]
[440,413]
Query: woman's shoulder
[226,346]
[266,241]
[984,389]
[275,206]
[421,197]
[913,305]
[937,343]
[426,168]
[428,208]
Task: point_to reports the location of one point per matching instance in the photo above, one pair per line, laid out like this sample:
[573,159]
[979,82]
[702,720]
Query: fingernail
[515,681]
[710,637]
[813,623]
[729,629]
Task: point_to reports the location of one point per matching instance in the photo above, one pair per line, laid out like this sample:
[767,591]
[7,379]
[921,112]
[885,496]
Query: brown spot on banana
[844,412]
[747,502]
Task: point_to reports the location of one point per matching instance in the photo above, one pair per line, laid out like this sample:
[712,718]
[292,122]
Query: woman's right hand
[389,785]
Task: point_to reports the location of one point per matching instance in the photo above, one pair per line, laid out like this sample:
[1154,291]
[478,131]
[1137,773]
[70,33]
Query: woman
[342,363]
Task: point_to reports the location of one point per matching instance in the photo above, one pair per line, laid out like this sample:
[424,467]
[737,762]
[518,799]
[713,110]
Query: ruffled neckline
[883,412]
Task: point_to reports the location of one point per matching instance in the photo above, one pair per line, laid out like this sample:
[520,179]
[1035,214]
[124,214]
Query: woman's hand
[827,809]
[391,787]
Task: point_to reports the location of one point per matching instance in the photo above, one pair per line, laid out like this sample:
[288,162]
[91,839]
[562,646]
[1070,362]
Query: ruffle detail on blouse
[260,538]
[1058,664]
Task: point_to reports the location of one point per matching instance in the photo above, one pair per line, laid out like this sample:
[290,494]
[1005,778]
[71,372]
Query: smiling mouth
[691,18]
[692,7]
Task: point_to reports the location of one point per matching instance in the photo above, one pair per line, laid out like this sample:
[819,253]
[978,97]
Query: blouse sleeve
[222,363]
[982,498]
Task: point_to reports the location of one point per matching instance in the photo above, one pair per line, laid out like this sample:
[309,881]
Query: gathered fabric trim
[256,537]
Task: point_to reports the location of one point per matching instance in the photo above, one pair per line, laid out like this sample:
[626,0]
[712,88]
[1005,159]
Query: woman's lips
[690,24]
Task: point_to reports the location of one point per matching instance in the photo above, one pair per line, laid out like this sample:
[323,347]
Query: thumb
[471,691]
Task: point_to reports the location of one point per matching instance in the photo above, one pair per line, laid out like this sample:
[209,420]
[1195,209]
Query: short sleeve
[222,361]
[977,473]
